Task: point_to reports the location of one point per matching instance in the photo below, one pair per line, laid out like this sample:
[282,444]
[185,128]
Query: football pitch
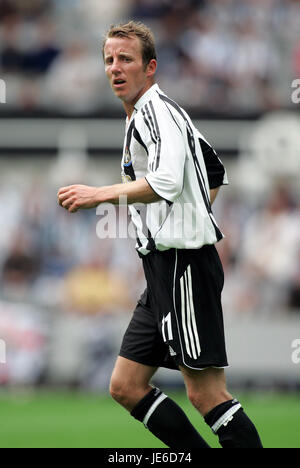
[43,419]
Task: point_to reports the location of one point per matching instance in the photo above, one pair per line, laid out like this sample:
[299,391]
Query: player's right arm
[83,197]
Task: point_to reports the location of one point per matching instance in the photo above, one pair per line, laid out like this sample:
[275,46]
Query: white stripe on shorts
[189,325]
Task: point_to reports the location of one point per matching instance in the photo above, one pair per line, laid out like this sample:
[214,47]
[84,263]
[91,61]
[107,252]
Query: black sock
[166,420]
[233,427]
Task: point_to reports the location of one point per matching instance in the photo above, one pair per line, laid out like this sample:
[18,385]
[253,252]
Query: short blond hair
[134,29]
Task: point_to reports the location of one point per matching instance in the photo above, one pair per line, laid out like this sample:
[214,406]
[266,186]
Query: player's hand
[77,197]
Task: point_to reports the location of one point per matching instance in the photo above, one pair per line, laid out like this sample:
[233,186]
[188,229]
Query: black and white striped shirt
[162,145]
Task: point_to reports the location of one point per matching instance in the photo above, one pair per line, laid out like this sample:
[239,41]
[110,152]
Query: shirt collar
[146,97]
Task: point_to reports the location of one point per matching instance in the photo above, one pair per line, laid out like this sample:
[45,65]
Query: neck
[129,106]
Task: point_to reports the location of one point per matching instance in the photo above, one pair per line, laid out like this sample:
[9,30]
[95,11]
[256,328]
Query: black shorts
[178,319]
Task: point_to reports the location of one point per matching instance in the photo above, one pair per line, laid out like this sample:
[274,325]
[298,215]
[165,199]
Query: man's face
[125,70]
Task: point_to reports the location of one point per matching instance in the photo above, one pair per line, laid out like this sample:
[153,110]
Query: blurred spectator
[25,332]
[74,80]
[296,61]
[20,268]
[209,50]
[267,260]
[101,14]
[31,8]
[11,54]
[6,9]
[253,64]
[147,9]
[91,289]
[294,290]
[214,56]
[39,58]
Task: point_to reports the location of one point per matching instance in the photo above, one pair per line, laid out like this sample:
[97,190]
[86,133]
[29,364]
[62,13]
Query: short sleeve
[166,153]
[216,171]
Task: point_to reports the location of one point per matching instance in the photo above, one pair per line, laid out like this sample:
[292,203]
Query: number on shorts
[167,321]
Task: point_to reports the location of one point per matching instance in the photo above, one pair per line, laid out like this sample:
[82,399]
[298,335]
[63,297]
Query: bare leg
[205,388]
[163,417]
[207,391]
[130,382]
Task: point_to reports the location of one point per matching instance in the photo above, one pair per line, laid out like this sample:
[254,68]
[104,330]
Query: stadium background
[66,295]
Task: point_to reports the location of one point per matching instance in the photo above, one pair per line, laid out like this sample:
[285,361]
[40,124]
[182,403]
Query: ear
[151,68]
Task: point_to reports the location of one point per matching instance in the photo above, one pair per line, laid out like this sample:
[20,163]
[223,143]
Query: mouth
[118,83]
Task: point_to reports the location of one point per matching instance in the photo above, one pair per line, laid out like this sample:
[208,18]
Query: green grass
[70,420]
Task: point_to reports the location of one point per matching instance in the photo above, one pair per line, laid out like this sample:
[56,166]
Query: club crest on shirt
[128,171]
[127,157]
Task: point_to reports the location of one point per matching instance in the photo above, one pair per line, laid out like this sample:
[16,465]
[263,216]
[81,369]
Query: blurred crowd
[261,254]
[66,295]
[215,56]
[64,292]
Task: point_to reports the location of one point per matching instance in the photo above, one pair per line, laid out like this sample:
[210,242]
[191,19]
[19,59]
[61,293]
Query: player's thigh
[130,381]
[206,388]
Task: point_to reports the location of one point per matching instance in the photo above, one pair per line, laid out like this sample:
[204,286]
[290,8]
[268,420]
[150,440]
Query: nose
[115,67]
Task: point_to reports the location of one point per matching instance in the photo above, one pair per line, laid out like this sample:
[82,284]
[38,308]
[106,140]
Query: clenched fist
[78,197]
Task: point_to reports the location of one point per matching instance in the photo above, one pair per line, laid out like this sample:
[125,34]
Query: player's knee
[204,400]
[126,394]
[118,392]
[198,399]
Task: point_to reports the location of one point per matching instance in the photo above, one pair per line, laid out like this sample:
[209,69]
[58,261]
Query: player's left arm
[78,197]
[213,194]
